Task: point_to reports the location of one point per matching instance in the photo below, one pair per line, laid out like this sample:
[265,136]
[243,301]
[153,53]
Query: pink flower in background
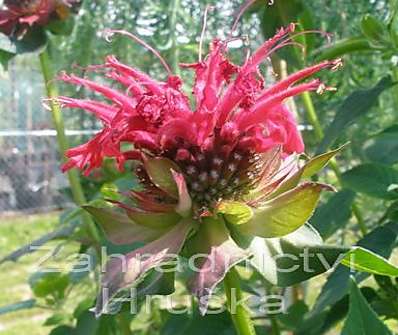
[19,15]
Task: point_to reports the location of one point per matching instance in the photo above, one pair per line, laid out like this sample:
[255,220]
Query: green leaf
[375,31]
[343,47]
[84,265]
[120,229]
[285,213]
[44,284]
[381,241]
[62,330]
[87,324]
[364,260]
[294,316]
[383,147]
[316,164]
[155,220]
[56,319]
[61,27]
[354,106]
[281,261]
[375,180]
[35,41]
[157,283]
[235,212]
[361,318]
[159,171]
[334,214]
[5,57]
[27,304]
[210,324]
[310,168]
[392,212]
[322,258]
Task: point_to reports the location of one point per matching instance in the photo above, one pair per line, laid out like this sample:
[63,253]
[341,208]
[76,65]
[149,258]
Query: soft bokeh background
[32,189]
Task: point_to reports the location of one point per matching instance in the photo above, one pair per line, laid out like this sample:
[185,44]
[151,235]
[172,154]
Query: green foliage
[179,324]
[357,113]
[383,147]
[382,240]
[354,106]
[375,180]
[361,318]
[44,284]
[333,214]
[364,260]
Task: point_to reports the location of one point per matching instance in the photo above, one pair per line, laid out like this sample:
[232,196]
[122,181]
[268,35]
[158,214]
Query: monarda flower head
[19,16]
[217,178]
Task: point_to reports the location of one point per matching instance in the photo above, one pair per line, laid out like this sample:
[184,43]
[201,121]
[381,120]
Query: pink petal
[222,253]
[184,205]
[139,262]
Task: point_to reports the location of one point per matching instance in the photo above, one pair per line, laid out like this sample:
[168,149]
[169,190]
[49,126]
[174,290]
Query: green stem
[73,177]
[239,312]
[124,324]
[312,116]
[175,52]
[275,325]
[314,120]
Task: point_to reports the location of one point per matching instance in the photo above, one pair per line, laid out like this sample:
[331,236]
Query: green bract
[268,232]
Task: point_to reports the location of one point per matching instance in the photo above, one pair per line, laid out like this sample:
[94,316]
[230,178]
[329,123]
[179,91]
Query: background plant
[363,111]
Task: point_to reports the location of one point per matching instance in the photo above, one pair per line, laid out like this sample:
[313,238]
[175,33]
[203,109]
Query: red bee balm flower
[231,160]
[19,15]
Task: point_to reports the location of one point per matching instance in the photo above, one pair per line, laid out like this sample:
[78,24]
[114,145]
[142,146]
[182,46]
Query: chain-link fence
[30,176]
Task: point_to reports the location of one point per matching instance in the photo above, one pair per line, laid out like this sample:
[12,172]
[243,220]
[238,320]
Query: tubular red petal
[302,74]
[145,80]
[113,95]
[264,50]
[258,113]
[103,111]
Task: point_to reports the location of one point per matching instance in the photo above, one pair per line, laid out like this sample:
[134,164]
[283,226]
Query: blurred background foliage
[363,112]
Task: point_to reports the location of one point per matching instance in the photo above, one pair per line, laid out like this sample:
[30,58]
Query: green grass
[15,232]
[18,231]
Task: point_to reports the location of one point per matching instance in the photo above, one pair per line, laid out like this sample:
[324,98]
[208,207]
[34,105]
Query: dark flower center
[223,171]
[214,176]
